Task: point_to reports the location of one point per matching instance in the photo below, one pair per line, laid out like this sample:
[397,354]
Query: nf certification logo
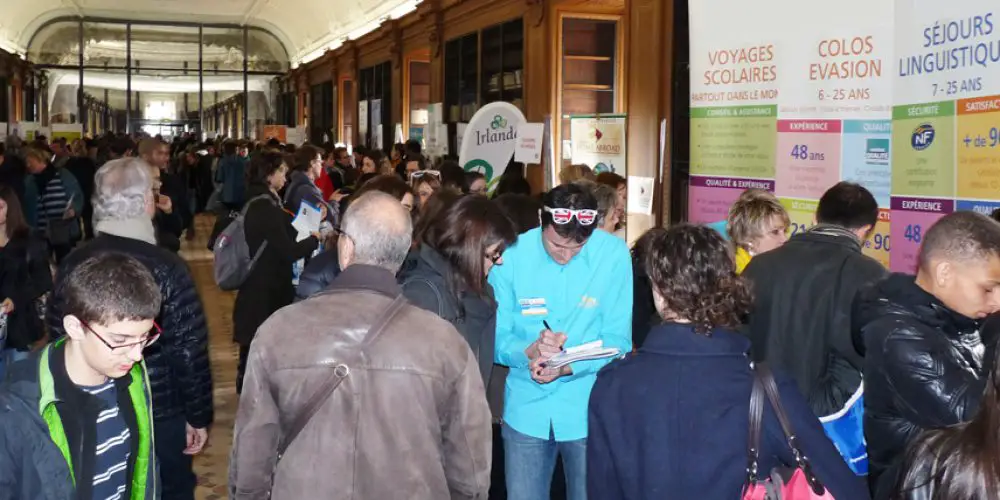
[923,137]
[498,122]
[877,151]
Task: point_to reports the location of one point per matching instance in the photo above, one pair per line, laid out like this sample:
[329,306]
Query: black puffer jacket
[923,369]
[179,372]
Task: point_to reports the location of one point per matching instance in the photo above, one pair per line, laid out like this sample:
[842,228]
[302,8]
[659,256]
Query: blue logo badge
[923,137]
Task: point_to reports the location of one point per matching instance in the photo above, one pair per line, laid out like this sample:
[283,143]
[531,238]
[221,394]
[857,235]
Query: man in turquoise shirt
[578,280]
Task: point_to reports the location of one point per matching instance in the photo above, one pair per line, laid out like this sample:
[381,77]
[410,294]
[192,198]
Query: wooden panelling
[648,97]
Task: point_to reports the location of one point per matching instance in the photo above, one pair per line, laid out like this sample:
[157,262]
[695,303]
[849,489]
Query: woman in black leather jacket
[957,462]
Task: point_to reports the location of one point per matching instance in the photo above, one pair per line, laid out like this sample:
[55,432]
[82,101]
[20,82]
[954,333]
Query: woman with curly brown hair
[672,420]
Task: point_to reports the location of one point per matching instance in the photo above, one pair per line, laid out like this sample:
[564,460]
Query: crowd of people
[410,346]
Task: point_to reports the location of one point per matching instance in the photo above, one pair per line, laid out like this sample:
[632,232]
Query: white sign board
[640,195]
[296,136]
[489,139]
[432,138]
[530,138]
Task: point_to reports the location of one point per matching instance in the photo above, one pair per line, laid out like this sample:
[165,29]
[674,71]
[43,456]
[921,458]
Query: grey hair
[607,198]
[381,229]
[121,188]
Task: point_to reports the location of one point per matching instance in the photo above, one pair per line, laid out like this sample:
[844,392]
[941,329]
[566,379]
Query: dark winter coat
[301,188]
[269,286]
[672,421]
[178,363]
[26,276]
[319,272]
[427,283]
[644,315]
[924,368]
[801,317]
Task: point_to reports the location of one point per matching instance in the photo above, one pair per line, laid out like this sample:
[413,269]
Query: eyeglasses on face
[340,232]
[563,216]
[494,258]
[151,337]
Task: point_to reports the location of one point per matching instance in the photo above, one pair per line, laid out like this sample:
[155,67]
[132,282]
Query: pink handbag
[783,483]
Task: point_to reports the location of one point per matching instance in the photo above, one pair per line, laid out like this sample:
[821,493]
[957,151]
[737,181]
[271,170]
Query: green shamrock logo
[498,122]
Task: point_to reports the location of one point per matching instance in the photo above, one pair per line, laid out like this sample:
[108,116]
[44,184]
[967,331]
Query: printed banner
[68,131]
[598,142]
[279,132]
[783,104]
[946,117]
[487,142]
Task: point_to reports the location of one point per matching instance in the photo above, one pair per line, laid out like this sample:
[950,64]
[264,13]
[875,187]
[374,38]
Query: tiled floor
[212,465]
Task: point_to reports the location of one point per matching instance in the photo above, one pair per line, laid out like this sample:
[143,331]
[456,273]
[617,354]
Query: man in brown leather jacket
[409,421]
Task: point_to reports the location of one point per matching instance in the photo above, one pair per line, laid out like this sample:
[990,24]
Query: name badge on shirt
[533,307]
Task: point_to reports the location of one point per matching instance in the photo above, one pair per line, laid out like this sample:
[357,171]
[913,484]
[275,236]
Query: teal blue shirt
[588,299]
[720,226]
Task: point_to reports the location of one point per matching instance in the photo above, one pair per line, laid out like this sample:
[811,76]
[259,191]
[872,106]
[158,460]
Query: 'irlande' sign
[489,140]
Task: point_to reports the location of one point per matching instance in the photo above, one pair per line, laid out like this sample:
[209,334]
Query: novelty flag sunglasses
[564,216]
[420,173]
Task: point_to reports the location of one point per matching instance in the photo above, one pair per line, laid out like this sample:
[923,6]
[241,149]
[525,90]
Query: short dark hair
[452,174]
[338,151]
[574,197]
[229,147]
[110,287]
[610,179]
[693,270]
[521,209]
[462,232]
[960,236]
[412,146]
[264,164]
[421,164]
[304,156]
[365,178]
[430,212]
[849,205]
[389,184]
[375,156]
[512,185]
[273,143]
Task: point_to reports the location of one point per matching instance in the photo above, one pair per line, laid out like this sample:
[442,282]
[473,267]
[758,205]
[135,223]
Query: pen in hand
[549,328]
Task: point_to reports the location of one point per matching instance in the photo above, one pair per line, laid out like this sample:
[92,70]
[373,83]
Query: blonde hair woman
[757,223]
[572,173]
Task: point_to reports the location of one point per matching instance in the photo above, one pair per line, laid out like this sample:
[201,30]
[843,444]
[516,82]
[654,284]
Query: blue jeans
[529,463]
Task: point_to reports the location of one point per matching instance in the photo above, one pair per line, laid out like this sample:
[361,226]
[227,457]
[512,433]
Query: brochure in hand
[590,350]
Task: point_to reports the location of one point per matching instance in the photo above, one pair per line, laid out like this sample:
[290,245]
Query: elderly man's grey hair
[381,230]
[121,188]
